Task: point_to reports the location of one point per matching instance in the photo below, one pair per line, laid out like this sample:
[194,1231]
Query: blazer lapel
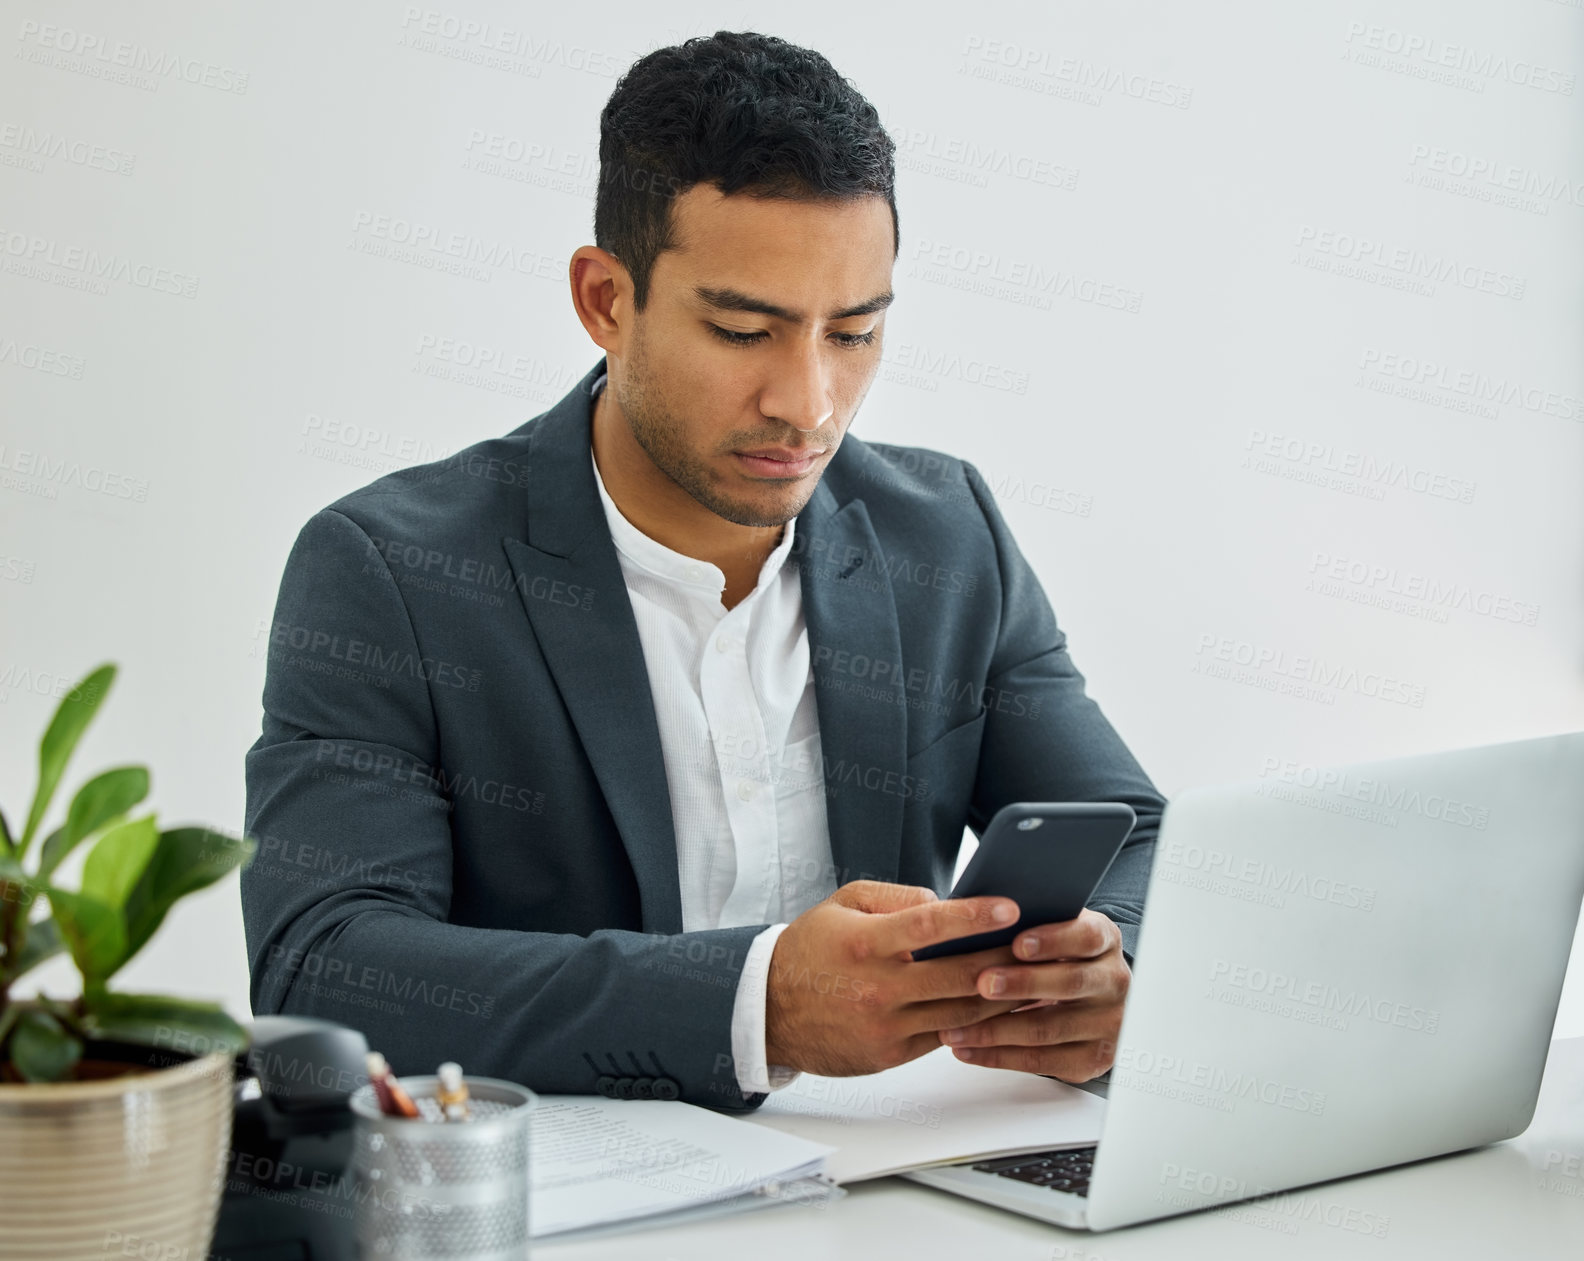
[851,617]
[570,580]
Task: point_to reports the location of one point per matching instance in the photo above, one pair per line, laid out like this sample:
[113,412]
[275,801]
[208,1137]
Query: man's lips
[779,461]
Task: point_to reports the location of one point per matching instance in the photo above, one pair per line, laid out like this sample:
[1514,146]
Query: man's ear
[601,295]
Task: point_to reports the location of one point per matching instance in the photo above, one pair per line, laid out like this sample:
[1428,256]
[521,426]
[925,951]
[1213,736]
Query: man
[632,751]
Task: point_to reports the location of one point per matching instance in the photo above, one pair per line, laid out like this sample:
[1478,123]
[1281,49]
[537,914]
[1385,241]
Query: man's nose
[799,393]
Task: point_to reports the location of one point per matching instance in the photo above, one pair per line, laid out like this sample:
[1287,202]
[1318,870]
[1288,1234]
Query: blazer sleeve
[1068,750]
[362,937]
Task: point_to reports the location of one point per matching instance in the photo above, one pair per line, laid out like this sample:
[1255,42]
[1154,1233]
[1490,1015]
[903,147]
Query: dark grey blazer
[466,846]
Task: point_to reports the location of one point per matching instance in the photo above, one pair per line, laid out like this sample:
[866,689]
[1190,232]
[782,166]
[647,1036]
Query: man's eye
[748,339]
[736,339]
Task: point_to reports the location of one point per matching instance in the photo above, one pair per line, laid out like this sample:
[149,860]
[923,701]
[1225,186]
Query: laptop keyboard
[1066,1170]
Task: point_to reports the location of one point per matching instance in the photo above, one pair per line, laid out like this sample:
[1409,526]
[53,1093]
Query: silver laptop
[1339,969]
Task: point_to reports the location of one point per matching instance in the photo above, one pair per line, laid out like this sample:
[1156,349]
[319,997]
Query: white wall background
[1224,250]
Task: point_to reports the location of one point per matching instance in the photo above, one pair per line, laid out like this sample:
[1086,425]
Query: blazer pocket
[960,732]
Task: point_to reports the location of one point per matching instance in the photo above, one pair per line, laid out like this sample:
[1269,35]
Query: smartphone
[1047,856]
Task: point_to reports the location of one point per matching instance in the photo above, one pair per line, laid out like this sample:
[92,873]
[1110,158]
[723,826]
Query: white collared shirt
[734,698]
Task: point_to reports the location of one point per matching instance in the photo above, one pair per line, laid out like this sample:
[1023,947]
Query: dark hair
[743,111]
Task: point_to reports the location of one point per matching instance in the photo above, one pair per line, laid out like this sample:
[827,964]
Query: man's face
[741,408]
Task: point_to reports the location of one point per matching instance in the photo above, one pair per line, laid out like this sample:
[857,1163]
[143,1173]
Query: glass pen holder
[431,1188]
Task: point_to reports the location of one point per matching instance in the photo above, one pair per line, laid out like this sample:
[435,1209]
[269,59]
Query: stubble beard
[656,429]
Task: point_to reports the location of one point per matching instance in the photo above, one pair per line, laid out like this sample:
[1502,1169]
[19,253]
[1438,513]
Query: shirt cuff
[748,1021]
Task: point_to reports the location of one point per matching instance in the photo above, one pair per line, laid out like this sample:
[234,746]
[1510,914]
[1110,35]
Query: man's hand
[1071,1015]
[844,995]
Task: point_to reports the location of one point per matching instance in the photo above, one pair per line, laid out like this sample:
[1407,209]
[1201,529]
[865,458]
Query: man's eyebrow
[735,300]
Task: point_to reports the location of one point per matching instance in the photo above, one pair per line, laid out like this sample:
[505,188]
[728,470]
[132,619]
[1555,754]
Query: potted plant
[115,1108]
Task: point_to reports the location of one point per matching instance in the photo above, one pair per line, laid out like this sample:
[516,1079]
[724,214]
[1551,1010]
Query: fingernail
[997,983]
[1004,913]
[964,1055]
[951,1036]
[1028,945]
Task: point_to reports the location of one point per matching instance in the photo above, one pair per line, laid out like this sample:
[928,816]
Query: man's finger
[952,1013]
[879,898]
[953,976]
[1068,1061]
[1088,936]
[1039,1026]
[1064,981]
[923,925]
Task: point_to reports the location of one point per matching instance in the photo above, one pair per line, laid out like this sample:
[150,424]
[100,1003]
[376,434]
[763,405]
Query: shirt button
[722,644]
[745,789]
[694,573]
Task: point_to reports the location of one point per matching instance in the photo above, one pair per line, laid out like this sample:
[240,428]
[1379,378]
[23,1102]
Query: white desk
[1513,1200]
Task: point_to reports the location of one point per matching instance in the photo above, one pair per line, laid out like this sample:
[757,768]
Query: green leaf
[94,933]
[71,719]
[6,842]
[43,941]
[10,873]
[184,861]
[18,890]
[177,1024]
[100,801]
[117,861]
[41,1048]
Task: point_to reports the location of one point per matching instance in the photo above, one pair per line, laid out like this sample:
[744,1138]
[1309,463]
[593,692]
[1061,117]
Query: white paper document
[816,1189]
[595,1160]
[930,1111]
